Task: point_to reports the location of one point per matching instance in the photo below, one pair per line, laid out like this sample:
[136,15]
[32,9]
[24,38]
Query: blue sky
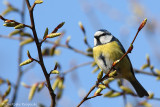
[121,18]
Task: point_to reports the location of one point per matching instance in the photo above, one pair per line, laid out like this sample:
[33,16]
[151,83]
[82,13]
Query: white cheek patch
[95,42]
[105,39]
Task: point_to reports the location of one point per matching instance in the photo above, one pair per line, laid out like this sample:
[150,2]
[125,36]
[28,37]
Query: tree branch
[86,97]
[40,55]
[47,41]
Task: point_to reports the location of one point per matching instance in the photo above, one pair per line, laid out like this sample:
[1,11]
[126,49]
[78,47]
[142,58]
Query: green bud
[151,95]
[100,75]
[4,103]
[56,66]
[52,35]
[9,9]
[58,27]
[61,24]
[59,94]
[55,84]
[98,91]
[25,34]
[54,72]
[85,40]
[148,59]
[106,82]
[45,52]
[38,1]
[52,50]
[1,81]
[89,50]
[7,91]
[81,26]
[116,94]
[101,86]
[144,66]
[19,26]
[119,82]
[126,89]
[45,33]
[60,84]
[32,91]
[158,78]
[93,64]
[145,103]
[113,73]
[14,33]
[26,41]
[57,52]
[6,11]
[40,86]
[115,62]
[157,71]
[26,62]
[95,70]
[109,93]
[12,24]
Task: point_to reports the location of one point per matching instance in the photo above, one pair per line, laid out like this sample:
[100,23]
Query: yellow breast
[112,52]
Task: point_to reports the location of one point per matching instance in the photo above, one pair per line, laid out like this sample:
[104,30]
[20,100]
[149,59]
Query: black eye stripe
[97,37]
[103,34]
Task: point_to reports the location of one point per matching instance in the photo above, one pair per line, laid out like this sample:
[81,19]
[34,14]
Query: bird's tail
[139,88]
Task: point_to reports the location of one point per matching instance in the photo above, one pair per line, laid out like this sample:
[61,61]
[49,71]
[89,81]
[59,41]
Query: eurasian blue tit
[108,49]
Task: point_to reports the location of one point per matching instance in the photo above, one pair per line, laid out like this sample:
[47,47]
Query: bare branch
[41,62]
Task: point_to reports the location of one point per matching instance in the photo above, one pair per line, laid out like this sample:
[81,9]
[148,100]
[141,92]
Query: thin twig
[12,37]
[75,67]
[51,42]
[144,72]
[85,98]
[41,62]
[32,7]
[20,72]
[4,19]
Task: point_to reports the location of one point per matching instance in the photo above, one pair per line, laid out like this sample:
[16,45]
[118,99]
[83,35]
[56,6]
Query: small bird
[108,49]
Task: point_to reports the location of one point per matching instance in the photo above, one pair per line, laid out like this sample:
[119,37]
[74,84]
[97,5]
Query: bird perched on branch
[108,49]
